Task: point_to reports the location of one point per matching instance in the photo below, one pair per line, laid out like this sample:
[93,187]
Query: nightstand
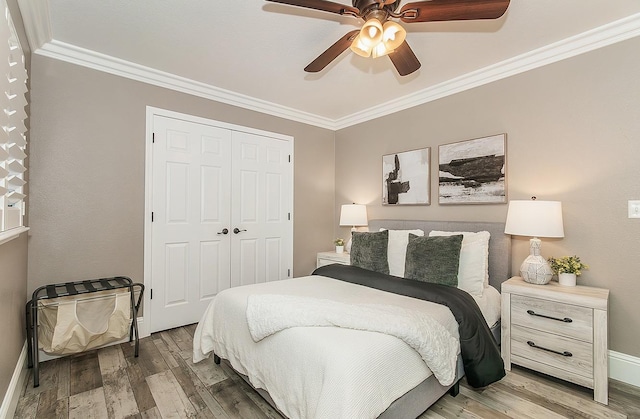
[327,258]
[559,331]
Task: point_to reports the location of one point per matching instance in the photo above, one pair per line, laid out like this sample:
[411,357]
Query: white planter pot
[339,249]
[567,280]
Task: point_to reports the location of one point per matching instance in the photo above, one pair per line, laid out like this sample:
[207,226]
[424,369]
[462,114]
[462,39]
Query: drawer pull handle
[533,345]
[565,320]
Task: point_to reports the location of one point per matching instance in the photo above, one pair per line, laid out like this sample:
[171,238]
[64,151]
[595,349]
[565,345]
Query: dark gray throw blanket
[480,353]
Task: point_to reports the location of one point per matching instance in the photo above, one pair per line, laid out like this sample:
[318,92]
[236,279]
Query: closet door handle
[564,353]
[237,230]
[224,231]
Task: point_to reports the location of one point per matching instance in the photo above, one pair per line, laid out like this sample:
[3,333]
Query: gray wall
[13,291]
[87,172]
[573,134]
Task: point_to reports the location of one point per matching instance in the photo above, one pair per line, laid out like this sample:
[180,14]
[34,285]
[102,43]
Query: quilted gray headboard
[499,244]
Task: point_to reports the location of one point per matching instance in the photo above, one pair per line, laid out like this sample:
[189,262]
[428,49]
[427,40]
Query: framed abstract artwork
[405,178]
[473,171]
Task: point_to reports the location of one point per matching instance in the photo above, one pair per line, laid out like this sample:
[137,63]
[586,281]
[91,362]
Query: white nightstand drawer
[327,258]
[566,354]
[553,317]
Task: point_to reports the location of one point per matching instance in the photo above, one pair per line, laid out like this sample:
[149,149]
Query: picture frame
[473,171]
[405,177]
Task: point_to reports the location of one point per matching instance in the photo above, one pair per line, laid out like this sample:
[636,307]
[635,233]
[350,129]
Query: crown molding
[108,64]
[37,24]
[602,36]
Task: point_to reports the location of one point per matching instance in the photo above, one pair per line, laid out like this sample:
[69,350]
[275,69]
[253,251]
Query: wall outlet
[634,209]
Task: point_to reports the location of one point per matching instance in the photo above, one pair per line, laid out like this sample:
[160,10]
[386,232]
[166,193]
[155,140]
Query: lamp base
[536,270]
[348,248]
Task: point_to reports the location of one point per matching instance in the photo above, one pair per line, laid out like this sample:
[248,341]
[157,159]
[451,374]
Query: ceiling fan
[380,35]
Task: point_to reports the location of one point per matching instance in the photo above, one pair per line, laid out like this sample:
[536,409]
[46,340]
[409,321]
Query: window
[13,87]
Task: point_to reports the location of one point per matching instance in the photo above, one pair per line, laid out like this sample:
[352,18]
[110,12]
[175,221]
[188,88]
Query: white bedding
[437,347]
[318,372]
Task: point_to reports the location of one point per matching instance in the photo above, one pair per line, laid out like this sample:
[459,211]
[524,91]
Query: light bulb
[393,35]
[379,50]
[360,48]
[371,32]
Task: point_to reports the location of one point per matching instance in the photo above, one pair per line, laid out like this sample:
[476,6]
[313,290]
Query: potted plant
[339,245]
[567,268]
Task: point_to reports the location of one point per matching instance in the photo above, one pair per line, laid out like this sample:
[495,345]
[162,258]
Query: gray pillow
[433,259]
[369,250]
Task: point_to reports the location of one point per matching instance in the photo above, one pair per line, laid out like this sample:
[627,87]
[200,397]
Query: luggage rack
[76,288]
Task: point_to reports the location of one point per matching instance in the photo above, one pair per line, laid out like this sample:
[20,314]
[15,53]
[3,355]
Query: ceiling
[251,53]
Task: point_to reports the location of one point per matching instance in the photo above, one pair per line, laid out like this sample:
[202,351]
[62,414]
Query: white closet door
[191,208]
[261,204]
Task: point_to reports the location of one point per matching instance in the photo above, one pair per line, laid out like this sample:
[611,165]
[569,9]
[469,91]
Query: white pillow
[473,271]
[397,249]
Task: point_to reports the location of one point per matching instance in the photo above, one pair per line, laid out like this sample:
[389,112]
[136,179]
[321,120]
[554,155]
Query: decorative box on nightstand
[560,331]
[327,258]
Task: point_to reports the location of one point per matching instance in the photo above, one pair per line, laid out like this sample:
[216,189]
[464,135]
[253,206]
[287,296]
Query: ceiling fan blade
[326,6]
[441,10]
[332,52]
[404,59]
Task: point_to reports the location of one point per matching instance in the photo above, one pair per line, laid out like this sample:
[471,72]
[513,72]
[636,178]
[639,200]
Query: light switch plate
[634,209]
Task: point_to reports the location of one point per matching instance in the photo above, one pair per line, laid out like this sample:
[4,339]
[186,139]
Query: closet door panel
[191,208]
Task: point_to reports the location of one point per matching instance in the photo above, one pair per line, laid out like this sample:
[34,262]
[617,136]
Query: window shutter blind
[13,88]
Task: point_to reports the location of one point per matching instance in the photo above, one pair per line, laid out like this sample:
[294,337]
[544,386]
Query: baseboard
[625,368]
[12,396]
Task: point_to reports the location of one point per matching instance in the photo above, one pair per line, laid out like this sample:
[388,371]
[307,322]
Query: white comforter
[319,372]
[271,313]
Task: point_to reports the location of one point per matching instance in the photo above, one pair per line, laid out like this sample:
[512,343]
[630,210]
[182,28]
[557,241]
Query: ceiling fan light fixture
[393,35]
[377,28]
[371,32]
[360,48]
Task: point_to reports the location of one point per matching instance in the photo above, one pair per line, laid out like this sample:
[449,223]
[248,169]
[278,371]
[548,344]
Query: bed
[362,368]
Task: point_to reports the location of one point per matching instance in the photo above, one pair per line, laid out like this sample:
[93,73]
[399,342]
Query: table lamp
[353,215]
[535,219]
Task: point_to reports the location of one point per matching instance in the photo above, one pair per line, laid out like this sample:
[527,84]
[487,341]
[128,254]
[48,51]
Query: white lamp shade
[353,215]
[534,219]
[379,51]
[360,48]
[393,35]
[371,32]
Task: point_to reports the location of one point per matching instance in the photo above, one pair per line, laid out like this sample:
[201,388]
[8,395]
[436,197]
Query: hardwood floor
[163,382]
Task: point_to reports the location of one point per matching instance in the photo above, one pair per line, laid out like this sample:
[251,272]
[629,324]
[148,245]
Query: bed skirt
[411,405]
